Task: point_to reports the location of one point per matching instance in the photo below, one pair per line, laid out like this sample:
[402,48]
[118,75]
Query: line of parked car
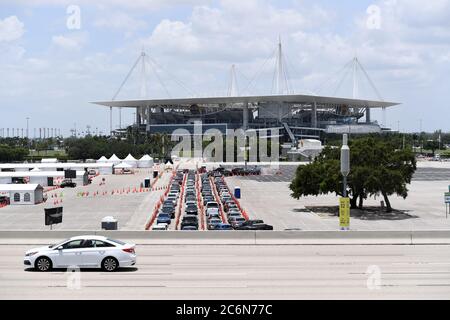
[189,220]
[167,211]
[232,218]
[212,211]
[232,210]
[179,195]
[236,171]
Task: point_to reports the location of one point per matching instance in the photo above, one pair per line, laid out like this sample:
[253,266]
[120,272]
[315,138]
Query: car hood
[39,249]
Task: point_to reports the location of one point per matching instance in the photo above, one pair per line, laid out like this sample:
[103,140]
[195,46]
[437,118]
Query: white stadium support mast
[355,78]
[233,90]
[281,81]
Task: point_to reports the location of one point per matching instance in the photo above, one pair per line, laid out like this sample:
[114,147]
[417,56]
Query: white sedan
[82,252]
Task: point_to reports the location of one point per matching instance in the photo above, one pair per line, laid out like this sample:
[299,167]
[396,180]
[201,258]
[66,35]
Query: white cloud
[119,20]
[70,41]
[236,31]
[136,4]
[11,29]
[409,54]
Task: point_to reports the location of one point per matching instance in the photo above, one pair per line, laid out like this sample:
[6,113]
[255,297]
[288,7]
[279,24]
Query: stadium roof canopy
[235,101]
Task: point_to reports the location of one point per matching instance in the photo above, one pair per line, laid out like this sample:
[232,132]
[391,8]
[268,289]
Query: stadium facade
[296,116]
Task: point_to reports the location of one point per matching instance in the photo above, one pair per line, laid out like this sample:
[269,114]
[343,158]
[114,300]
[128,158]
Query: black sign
[53,215]
[168,160]
[70,174]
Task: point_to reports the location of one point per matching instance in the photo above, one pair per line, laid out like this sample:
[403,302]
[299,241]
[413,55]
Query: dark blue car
[223,226]
[163,218]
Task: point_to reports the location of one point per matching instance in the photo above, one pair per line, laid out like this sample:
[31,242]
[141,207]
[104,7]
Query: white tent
[123,165]
[49,160]
[103,159]
[114,159]
[145,162]
[22,194]
[130,160]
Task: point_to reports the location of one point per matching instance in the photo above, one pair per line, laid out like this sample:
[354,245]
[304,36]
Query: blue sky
[50,73]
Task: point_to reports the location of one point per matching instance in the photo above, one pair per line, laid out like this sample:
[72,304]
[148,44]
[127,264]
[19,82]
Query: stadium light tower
[28,127]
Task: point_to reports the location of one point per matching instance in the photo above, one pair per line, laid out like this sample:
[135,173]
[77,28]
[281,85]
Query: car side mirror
[60,247]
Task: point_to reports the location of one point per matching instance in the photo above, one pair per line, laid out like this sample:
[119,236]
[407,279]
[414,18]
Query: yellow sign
[344,212]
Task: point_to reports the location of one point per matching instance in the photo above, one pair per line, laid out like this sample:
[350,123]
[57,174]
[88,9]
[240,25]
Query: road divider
[239,238]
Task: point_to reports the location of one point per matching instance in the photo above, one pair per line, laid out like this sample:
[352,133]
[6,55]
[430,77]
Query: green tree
[377,168]
[11,154]
[431,145]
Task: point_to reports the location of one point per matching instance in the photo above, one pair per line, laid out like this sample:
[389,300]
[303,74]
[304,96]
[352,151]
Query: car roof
[91,237]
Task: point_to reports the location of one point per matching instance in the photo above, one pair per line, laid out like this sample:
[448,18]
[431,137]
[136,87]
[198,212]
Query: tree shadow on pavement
[368,213]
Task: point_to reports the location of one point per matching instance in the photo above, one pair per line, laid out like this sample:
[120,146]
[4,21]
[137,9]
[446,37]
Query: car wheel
[110,264]
[43,264]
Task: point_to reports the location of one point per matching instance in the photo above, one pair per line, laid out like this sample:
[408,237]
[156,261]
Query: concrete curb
[240,238]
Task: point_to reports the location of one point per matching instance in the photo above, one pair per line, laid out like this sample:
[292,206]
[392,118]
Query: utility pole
[420,137]
[110,122]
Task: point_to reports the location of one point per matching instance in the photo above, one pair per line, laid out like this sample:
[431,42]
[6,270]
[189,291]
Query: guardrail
[240,237]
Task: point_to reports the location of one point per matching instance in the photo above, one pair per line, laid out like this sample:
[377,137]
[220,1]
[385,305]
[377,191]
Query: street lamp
[345,162]
[344,202]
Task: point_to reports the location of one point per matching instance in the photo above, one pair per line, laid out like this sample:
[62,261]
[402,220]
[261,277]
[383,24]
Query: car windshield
[56,245]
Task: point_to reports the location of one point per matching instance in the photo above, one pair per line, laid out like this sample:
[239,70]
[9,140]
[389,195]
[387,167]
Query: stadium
[296,116]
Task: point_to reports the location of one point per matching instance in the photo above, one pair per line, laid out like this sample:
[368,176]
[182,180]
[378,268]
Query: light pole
[420,137]
[345,162]
[28,127]
[344,202]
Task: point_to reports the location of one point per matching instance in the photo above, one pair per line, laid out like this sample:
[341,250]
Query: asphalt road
[245,272]
[288,173]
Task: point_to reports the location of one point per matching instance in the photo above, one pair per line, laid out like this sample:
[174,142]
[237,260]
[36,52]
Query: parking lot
[269,196]
[120,196]
[264,196]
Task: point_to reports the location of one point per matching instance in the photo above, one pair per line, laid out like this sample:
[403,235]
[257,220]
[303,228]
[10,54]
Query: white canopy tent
[145,162]
[123,165]
[114,159]
[130,160]
[103,159]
